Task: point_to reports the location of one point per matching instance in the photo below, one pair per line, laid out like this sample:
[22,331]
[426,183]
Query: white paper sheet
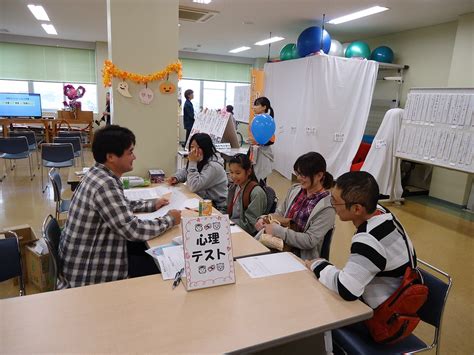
[147,193]
[270,264]
[170,258]
[235,229]
[177,202]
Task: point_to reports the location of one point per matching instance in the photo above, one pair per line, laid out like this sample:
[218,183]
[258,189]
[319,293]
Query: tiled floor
[441,238]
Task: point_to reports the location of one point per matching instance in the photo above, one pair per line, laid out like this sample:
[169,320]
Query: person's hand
[160,202]
[173,180]
[195,155]
[176,214]
[259,225]
[269,228]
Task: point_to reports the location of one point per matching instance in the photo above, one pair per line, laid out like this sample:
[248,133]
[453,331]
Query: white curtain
[321,104]
[380,160]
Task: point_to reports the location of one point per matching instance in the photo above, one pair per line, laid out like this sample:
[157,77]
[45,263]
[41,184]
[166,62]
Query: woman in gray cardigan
[306,214]
[204,174]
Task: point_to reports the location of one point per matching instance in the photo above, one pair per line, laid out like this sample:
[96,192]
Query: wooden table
[6,122]
[144,315]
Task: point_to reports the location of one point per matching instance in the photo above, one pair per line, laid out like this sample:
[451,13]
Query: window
[229,92]
[214,95]
[13,86]
[89,100]
[51,95]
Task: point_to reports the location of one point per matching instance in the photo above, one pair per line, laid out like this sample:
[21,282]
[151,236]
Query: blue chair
[13,148]
[32,143]
[56,155]
[76,145]
[62,206]
[326,246]
[52,235]
[356,339]
[10,255]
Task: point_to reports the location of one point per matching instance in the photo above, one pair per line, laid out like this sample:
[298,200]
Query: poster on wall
[241,103]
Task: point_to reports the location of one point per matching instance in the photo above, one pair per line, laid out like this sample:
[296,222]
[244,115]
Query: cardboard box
[26,235]
[156,176]
[38,269]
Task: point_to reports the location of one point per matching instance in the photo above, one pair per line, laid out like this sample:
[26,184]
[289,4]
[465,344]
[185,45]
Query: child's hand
[173,180]
[195,155]
[260,224]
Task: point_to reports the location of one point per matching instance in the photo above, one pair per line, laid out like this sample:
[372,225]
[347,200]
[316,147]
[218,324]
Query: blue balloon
[382,54]
[263,128]
[310,41]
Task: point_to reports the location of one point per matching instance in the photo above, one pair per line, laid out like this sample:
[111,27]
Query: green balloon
[294,52]
[358,49]
[286,52]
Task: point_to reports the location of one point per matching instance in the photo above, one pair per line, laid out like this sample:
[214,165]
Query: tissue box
[156,176]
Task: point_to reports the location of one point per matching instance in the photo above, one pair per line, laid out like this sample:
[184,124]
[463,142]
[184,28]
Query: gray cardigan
[320,221]
[210,183]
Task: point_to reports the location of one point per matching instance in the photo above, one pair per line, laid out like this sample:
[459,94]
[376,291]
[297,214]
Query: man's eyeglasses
[333,202]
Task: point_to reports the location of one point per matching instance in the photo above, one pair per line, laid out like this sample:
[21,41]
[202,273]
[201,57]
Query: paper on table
[147,193]
[177,202]
[270,264]
[191,203]
[170,258]
[235,229]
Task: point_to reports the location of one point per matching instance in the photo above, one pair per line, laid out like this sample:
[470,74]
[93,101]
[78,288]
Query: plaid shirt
[302,207]
[93,245]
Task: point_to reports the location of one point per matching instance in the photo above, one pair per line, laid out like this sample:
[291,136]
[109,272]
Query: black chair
[31,138]
[62,205]
[76,145]
[56,155]
[10,256]
[13,148]
[52,234]
[356,339]
[326,246]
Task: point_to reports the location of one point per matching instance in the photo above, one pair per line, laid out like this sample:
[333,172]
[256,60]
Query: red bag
[396,318]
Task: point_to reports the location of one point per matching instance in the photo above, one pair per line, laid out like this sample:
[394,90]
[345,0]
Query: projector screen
[20,105]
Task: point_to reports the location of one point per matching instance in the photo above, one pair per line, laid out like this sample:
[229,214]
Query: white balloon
[122,88]
[344,47]
[336,48]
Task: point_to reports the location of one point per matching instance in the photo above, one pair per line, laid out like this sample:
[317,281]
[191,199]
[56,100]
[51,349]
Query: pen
[191,209]
[177,278]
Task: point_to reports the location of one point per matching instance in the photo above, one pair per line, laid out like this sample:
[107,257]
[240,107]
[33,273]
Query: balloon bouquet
[73,95]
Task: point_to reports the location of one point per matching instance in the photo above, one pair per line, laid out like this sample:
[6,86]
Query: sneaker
[97,122]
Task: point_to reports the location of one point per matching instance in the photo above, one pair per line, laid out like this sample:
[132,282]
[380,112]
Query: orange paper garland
[110,70]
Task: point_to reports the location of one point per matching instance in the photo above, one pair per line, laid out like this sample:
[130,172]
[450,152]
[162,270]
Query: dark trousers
[188,131]
[139,262]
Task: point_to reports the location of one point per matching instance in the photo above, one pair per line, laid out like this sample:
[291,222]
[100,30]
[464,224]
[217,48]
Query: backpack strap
[230,205]
[246,193]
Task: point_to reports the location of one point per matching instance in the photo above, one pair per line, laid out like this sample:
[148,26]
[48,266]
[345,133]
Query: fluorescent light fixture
[359,14]
[202,1]
[38,12]
[269,40]
[240,49]
[49,29]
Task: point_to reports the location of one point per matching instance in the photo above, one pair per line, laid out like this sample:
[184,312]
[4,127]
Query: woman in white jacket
[204,173]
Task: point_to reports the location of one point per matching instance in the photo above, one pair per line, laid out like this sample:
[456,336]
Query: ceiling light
[358,14]
[202,1]
[240,49]
[49,29]
[39,12]
[269,40]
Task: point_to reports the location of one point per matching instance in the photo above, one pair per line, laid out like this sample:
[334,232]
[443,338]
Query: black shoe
[97,123]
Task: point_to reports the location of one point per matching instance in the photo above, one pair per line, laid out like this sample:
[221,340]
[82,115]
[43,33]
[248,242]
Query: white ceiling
[85,20]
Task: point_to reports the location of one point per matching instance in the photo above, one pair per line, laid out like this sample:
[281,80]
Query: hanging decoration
[110,71]
[167,87]
[146,95]
[122,88]
[73,95]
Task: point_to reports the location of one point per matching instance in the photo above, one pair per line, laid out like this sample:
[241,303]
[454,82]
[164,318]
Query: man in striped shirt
[379,249]
[93,246]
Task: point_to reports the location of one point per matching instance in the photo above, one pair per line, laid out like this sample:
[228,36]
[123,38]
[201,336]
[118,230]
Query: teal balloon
[358,49]
[286,53]
[382,54]
[263,128]
[294,52]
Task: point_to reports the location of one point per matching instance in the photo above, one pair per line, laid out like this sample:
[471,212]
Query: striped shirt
[93,245]
[379,257]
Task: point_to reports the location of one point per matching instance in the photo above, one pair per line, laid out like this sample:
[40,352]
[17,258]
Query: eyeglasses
[347,204]
[333,202]
[298,175]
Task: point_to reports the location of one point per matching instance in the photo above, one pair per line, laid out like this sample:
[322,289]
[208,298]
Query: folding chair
[10,255]
[52,234]
[55,155]
[13,148]
[62,205]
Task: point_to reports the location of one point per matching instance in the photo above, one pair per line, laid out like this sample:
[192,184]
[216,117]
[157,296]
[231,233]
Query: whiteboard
[242,103]
[438,128]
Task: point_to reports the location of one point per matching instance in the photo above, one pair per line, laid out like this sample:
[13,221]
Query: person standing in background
[188,112]
[261,155]
[106,114]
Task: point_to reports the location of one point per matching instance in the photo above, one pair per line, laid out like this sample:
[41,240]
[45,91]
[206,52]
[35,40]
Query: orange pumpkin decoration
[167,87]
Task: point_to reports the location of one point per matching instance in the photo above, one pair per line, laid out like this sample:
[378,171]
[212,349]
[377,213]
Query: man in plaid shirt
[93,245]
